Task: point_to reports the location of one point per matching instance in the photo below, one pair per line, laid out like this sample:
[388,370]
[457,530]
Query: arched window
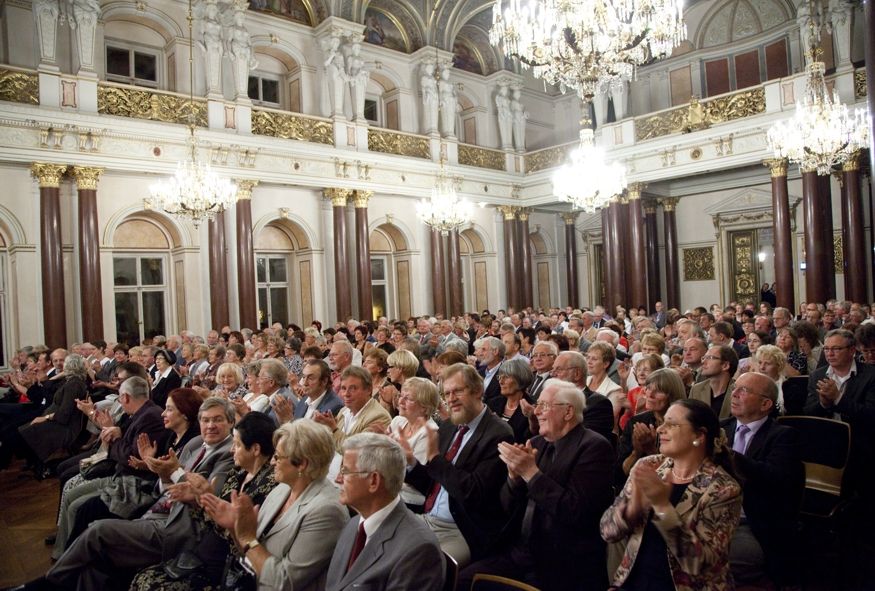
[276,83]
[474,269]
[134,54]
[283,274]
[390,272]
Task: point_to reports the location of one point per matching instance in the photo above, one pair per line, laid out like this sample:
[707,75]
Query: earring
[300,473]
[696,443]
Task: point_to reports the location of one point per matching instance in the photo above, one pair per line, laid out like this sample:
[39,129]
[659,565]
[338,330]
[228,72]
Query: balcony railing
[399,143]
[292,126]
[154,105]
[471,155]
[19,86]
[548,157]
[860,83]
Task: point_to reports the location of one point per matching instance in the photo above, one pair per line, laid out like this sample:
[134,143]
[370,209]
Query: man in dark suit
[598,413]
[317,393]
[560,482]
[769,468]
[721,334]
[490,353]
[659,317]
[386,546]
[463,474]
[544,354]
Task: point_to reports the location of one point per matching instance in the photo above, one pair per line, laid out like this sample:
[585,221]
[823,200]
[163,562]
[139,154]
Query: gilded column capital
[633,191]
[623,199]
[852,164]
[669,203]
[523,214]
[777,166]
[808,169]
[508,211]
[360,198]
[337,196]
[48,175]
[244,188]
[86,177]
[569,217]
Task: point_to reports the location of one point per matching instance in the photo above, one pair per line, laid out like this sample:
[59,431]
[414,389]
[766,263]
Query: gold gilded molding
[290,126]
[360,198]
[717,110]
[244,188]
[853,163]
[699,264]
[860,83]
[153,105]
[337,196]
[669,203]
[19,87]
[523,214]
[481,157]
[633,191]
[402,144]
[838,254]
[569,217]
[507,211]
[86,177]
[777,166]
[549,158]
[48,175]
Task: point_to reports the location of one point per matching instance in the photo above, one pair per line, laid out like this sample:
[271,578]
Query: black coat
[67,423]
[518,421]
[163,388]
[599,414]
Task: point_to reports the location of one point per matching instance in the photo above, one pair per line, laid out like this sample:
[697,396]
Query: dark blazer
[472,483]
[146,420]
[570,496]
[599,414]
[493,390]
[162,389]
[50,436]
[535,391]
[772,479]
[741,350]
[402,554]
[518,421]
[624,448]
[331,402]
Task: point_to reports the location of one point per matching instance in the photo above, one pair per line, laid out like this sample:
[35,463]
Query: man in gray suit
[386,546]
[317,393]
[112,549]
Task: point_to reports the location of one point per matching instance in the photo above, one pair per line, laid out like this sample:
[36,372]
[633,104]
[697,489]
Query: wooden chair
[484,582]
[451,573]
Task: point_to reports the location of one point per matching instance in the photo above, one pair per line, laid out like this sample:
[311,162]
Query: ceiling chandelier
[444,210]
[195,192]
[587,181]
[582,44]
[822,132]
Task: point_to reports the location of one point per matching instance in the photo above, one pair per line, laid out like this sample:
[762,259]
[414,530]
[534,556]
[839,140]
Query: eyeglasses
[711,358]
[540,355]
[346,472]
[542,406]
[835,349]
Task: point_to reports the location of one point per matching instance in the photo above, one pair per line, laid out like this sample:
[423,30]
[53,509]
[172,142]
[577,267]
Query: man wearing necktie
[543,356]
[463,474]
[560,483]
[767,459]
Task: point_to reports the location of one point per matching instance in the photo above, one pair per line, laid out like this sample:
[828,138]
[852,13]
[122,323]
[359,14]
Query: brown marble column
[784,284]
[571,259]
[607,253]
[51,255]
[220,314]
[511,264]
[438,274]
[869,27]
[825,188]
[636,262]
[90,287]
[338,199]
[652,241]
[854,236]
[618,278]
[247,297]
[525,250]
[816,272]
[363,254]
[457,298]
[672,275]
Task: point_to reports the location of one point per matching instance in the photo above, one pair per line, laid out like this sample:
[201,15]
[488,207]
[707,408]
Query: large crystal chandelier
[444,210]
[580,44]
[822,132]
[587,181]
[195,192]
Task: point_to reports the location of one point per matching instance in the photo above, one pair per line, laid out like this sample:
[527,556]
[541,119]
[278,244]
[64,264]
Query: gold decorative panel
[743,267]
[289,126]
[699,264]
[154,105]
[402,144]
[860,83]
[838,253]
[19,87]
[700,115]
[481,157]
[548,158]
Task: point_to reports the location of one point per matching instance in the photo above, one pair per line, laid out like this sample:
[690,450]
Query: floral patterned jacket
[697,532]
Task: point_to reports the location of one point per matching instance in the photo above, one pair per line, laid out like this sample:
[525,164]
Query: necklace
[679,477]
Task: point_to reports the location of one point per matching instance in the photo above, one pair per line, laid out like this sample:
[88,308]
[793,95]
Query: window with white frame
[140,286]
[4,331]
[373,110]
[274,290]
[380,292]
[132,64]
[264,89]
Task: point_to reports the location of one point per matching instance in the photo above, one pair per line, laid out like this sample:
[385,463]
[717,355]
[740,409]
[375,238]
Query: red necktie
[357,546]
[449,456]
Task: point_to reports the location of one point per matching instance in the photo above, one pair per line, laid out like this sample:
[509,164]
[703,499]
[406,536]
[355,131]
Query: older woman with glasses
[788,342]
[514,378]
[417,405]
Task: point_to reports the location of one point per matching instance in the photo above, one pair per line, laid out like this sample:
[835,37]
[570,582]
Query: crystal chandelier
[195,192]
[444,210]
[822,132]
[587,181]
[581,44]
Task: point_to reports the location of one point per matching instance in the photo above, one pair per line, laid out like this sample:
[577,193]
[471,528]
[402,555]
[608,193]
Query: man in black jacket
[598,413]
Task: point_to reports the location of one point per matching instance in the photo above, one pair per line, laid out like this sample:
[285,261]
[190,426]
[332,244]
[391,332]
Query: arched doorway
[390,272]
[283,273]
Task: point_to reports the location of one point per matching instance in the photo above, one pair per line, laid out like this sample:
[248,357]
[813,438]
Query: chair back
[795,391]
[451,572]
[826,445]
[484,582]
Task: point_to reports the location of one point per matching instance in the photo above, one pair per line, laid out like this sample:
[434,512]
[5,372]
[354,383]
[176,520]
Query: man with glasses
[718,367]
[360,413]
[570,366]
[317,395]
[463,474]
[767,459]
[560,482]
[489,352]
[543,356]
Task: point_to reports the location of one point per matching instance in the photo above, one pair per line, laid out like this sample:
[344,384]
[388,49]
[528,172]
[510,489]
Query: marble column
[784,285]
[338,199]
[90,289]
[618,279]
[672,275]
[571,259]
[246,294]
[854,235]
[220,314]
[438,274]
[869,27]
[816,272]
[363,254]
[623,231]
[51,255]
[457,298]
[607,254]
[511,264]
[525,250]
[825,188]
[636,263]
[652,241]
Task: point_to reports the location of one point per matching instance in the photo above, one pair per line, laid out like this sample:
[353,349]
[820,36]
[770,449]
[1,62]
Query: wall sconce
[761,256]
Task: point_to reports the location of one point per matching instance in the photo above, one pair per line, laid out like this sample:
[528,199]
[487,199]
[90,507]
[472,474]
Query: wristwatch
[250,545]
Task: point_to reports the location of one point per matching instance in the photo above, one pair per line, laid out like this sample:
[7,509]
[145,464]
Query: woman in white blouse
[417,404]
